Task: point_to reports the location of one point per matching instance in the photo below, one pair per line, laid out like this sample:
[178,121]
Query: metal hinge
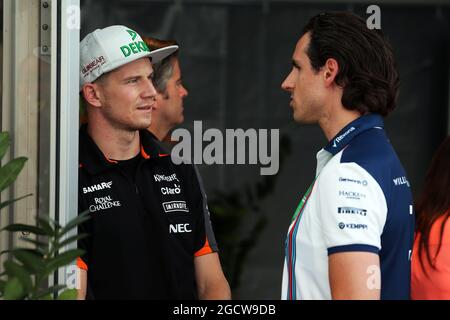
[45,27]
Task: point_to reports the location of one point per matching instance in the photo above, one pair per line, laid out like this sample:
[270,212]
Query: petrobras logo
[359,182]
[162,177]
[352,195]
[357,226]
[180,228]
[96,187]
[173,206]
[401,181]
[103,203]
[342,136]
[351,210]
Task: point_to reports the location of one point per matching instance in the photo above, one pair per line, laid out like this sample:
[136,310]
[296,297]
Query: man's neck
[160,132]
[336,119]
[115,144]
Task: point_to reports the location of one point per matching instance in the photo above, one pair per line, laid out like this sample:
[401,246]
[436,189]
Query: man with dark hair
[167,113]
[352,233]
[147,228]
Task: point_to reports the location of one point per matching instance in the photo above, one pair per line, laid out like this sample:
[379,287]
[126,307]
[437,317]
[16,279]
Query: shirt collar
[353,129]
[92,158]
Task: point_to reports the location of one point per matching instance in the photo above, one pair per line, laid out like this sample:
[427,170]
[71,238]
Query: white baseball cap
[104,50]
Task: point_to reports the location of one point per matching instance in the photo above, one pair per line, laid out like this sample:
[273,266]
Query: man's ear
[92,94]
[330,71]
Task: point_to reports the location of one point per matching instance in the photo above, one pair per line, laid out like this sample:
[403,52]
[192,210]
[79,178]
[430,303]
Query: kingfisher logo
[342,136]
[173,206]
[401,181]
[97,187]
[351,210]
[161,177]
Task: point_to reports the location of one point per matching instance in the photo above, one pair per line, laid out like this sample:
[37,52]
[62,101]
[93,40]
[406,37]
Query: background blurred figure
[168,112]
[431,254]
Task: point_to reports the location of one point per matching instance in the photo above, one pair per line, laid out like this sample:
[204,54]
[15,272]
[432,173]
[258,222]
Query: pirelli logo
[173,206]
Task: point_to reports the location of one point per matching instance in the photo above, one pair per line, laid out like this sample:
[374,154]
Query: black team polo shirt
[144,229]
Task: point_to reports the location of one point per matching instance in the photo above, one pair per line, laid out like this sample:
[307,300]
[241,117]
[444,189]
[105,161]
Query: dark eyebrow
[131,77]
[295,64]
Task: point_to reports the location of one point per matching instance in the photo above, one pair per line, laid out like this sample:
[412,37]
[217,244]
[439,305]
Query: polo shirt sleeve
[352,209]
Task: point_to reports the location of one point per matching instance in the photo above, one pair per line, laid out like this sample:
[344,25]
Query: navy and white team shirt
[360,201]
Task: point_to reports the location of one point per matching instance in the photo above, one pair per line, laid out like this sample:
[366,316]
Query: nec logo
[179,228]
[96,187]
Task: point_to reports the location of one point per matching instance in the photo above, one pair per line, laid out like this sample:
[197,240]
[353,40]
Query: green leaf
[47,297]
[13,290]
[44,294]
[45,225]
[24,228]
[2,285]
[82,217]
[71,239]
[49,220]
[7,203]
[4,143]
[69,294]
[32,261]
[63,259]
[10,171]
[16,270]
[40,244]
[22,248]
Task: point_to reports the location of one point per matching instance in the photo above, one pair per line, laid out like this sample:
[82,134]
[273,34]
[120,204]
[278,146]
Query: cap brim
[159,54]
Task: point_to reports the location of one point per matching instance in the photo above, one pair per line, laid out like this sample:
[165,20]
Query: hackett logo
[96,187]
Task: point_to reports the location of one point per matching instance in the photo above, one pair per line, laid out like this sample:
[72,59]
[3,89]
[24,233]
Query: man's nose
[184,92]
[287,83]
[150,91]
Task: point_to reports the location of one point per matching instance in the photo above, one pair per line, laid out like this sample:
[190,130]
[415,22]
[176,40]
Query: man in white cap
[147,230]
